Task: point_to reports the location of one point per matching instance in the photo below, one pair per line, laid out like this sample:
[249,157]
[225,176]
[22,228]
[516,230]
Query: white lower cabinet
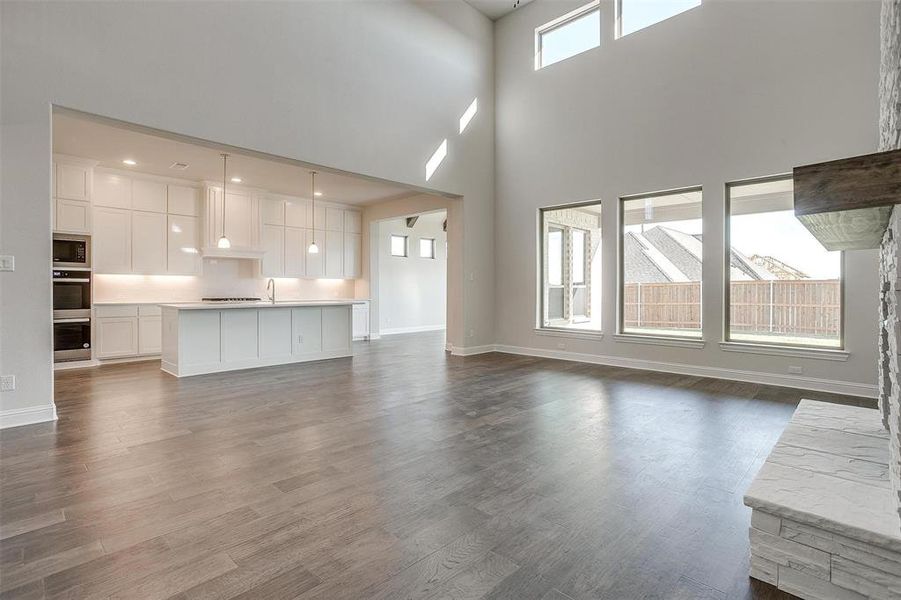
[275,333]
[127,331]
[336,328]
[307,330]
[239,336]
[117,337]
[149,335]
[361,321]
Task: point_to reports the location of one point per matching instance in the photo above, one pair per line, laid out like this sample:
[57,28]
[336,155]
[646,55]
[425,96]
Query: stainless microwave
[71,251]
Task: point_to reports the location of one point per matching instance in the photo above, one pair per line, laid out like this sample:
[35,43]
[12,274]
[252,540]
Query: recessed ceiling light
[129,162]
[179,166]
[317,193]
[236,180]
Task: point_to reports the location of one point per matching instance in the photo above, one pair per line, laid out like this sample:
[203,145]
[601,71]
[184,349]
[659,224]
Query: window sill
[569,333]
[772,350]
[660,340]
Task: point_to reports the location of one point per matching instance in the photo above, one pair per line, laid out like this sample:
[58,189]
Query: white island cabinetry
[210,338]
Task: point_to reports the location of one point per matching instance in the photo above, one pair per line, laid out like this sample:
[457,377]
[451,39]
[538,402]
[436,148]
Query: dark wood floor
[400,473]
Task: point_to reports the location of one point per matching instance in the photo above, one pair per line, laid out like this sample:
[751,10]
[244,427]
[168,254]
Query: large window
[566,36]
[632,15]
[570,295]
[782,286]
[660,250]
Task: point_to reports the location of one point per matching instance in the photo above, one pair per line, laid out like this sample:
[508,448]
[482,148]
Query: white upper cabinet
[183,245]
[239,219]
[298,213]
[71,216]
[111,243]
[112,190]
[334,219]
[319,216]
[148,242]
[272,211]
[72,182]
[334,254]
[353,221]
[295,252]
[353,249]
[148,195]
[274,249]
[242,219]
[183,200]
[315,266]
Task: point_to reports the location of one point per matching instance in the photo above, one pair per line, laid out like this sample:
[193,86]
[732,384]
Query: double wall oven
[71,297]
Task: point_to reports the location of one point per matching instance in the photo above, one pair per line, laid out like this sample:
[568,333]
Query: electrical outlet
[7,262]
[794,370]
[7,383]
[472,333]
[561,345]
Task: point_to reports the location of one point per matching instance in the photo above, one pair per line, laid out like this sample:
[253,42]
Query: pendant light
[223,241]
[313,249]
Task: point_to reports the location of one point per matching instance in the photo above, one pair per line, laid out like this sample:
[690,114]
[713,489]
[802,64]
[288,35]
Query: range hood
[232,253]
[846,204]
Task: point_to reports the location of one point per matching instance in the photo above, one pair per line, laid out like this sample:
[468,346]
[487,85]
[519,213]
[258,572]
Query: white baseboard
[397,330]
[472,350]
[793,381]
[16,417]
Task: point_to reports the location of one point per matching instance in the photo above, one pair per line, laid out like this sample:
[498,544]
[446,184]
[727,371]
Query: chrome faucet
[271,294]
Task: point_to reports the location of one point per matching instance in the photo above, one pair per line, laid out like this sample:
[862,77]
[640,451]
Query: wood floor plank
[402,472]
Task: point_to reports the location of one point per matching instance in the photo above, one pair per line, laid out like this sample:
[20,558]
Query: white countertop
[262,304]
[200,304]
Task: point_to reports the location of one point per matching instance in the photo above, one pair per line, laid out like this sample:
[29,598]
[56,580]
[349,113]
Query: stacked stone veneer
[823,523]
[890,262]
[810,562]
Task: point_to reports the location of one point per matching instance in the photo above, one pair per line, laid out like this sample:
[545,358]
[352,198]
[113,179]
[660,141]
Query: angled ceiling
[154,154]
[495,9]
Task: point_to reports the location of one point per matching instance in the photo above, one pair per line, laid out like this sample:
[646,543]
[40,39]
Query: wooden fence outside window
[799,307]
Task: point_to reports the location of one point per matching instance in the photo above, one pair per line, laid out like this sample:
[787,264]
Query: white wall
[366,87]
[412,290]
[728,90]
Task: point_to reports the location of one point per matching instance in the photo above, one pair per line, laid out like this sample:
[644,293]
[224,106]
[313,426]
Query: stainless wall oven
[71,297]
[72,339]
[71,293]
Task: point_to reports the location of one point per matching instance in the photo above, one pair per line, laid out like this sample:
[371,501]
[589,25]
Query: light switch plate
[7,383]
[7,262]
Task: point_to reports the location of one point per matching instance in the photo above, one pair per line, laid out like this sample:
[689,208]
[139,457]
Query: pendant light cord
[313,200]
[224,171]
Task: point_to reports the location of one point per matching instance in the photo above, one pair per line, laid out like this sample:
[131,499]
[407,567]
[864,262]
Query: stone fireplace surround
[826,505]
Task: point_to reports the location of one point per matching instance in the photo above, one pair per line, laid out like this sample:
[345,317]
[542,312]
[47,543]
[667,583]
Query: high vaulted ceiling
[495,9]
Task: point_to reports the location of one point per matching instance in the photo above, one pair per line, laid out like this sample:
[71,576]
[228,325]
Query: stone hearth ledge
[824,523]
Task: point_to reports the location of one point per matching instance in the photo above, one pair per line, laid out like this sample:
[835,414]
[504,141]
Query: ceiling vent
[179,166]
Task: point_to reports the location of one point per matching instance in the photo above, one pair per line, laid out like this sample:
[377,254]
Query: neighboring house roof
[661,254]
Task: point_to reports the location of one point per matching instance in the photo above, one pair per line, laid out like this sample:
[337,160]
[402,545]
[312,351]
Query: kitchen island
[203,337]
